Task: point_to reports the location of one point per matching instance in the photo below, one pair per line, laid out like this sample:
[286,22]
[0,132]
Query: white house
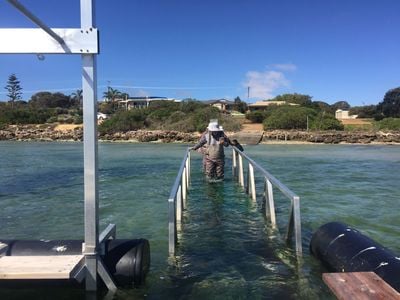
[141,102]
[344,114]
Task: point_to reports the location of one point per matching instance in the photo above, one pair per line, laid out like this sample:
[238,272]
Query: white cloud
[263,84]
[284,67]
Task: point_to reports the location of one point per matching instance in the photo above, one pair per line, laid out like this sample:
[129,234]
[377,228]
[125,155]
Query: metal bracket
[108,233]
[80,273]
[105,276]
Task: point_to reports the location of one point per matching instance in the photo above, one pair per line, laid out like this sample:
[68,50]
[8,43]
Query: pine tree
[14,88]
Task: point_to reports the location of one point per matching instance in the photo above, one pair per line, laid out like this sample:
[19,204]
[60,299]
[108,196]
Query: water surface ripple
[226,248]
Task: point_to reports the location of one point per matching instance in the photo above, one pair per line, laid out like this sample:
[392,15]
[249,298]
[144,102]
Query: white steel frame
[83,41]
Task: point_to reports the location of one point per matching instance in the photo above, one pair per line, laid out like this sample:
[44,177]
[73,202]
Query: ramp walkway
[222,239]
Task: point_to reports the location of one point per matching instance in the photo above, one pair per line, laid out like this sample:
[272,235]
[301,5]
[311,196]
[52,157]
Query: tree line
[190,114]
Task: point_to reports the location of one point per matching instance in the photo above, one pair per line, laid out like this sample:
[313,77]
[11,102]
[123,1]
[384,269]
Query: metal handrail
[294,223]
[177,200]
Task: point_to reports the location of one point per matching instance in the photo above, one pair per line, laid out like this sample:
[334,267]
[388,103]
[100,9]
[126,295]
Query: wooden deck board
[39,267]
[359,286]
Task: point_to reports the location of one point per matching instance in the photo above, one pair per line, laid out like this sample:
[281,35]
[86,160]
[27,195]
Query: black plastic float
[344,249]
[128,261]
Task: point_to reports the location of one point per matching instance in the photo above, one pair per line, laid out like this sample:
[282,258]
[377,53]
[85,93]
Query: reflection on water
[226,249]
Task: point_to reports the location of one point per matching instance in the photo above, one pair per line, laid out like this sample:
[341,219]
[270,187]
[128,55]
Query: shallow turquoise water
[225,251]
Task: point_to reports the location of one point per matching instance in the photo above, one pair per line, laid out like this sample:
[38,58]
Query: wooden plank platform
[39,267]
[359,286]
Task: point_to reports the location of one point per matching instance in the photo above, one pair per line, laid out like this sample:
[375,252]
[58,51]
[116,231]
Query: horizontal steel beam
[38,41]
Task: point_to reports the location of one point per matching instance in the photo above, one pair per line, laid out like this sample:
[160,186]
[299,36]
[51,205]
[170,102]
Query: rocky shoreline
[333,137]
[49,133]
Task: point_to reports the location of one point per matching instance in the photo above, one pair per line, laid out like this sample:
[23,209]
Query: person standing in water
[215,140]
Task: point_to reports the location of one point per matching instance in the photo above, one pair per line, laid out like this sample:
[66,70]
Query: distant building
[101,117]
[222,104]
[259,105]
[344,114]
[141,102]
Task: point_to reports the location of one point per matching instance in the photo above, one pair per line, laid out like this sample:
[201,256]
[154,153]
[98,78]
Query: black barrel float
[128,261]
[344,249]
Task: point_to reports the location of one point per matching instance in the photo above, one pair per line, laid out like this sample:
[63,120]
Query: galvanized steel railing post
[171,226]
[177,202]
[294,224]
[297,226]
[241,175]
[252,183]
[179,197]
[188,167]
[247,180]
[234,163]
[270,202]
[184,188]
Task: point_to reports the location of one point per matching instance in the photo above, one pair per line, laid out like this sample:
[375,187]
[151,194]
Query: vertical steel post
[241,175]
[252,182]
[189,167]
[179,204]
[89,87]
[184,188]
[187,170]
[271,204]
[171,226]
[247,189]
[234,163]
[297,225]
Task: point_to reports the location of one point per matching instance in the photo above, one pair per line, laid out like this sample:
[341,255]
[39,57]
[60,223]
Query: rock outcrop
[48,133]
[163,136]
[332,137]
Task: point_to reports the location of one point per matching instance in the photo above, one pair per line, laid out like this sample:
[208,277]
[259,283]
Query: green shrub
[229,123]
[52,119]
[256,116]
[184,125]
[191,106]
[124,121]
[108,107]
[388,124]
[325,121]
[202,117]
[78,119]
[295,117]
[289,117]
[24,115]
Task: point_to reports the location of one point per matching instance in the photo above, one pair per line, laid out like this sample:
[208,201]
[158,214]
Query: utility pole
[307,123]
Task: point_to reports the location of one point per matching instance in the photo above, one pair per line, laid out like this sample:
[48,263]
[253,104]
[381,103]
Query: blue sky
[332,50]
